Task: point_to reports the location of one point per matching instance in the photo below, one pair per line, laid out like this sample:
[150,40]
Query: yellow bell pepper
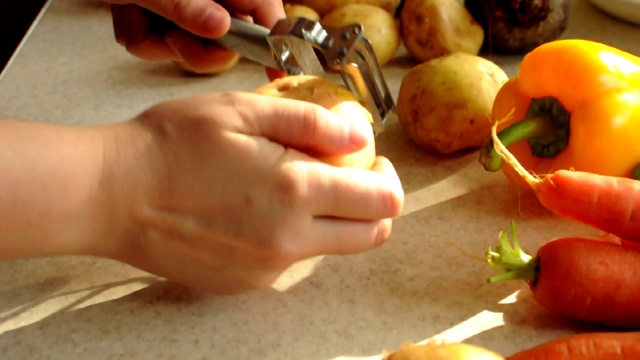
[577,105]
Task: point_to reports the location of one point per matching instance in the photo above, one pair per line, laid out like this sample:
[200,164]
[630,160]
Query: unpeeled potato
[301,11]
[380,27]
[334,97]
[323,7]
[445,104]
[433,28]
[443,351]
[223,67]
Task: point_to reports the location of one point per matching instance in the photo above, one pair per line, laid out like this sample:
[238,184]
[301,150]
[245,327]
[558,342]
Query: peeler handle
[250,41]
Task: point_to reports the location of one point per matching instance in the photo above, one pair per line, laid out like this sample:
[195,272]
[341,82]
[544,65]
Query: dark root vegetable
[518,26]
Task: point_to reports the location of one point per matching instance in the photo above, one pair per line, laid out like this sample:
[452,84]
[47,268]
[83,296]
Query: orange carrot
[596,281]
[608,203]
[587,346]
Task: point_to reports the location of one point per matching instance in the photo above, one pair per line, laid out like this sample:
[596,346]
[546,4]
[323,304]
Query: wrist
[61,191]
[132,168]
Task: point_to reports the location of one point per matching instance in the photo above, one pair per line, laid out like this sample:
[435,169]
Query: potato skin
[296,11]
[443,351]
[323,7]
[230,63]
[380,27]
[332,96]
[434,28]
[445,104]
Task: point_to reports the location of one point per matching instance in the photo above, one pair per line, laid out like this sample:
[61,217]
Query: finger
[265,13]
[352,193]
[343,237]
[201,56]
[301,125]
[132,30]
[201,17]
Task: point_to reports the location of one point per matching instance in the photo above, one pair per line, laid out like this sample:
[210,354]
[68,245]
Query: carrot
[587,346]
[608,203]
[596,281]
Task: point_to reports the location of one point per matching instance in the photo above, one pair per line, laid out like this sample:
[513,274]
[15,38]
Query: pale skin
[216,192]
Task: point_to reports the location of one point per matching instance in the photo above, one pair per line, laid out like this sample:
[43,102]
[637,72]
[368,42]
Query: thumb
[201,17]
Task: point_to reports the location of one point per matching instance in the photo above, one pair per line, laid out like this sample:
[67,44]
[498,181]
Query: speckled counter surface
[427,282]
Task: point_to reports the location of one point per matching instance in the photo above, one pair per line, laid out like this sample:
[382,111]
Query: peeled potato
[380,27]
[434,28]
[443,351]
[332,96]
[225,66]
[301,11]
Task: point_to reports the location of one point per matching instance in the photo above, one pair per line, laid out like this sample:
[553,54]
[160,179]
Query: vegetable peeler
[301,46]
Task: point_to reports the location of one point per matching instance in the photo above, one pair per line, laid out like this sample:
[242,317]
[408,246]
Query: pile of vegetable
[566,128]
[539,129]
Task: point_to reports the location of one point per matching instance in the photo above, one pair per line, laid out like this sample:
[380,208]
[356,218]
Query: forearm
[57,193]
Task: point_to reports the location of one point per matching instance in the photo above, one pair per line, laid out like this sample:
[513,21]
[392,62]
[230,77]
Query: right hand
[222,196]
[174,29]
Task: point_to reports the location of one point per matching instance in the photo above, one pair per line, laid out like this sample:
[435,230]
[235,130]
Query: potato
[445,104]
[225,66]
[433,28]
[323,7]
[380,27]
[334,97]
[296,11]
[443,351]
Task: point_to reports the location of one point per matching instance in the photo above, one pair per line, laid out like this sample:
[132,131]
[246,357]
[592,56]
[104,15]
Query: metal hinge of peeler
[293,45]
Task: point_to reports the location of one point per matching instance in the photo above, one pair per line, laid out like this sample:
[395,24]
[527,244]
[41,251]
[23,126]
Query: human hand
[220,193]
[174,29]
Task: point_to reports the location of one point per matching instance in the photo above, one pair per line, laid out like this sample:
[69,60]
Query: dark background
[16,17]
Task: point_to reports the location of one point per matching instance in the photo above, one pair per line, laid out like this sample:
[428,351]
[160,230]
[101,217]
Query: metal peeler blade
[293,45]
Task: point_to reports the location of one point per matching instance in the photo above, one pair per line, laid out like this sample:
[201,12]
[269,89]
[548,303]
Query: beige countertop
[427,282]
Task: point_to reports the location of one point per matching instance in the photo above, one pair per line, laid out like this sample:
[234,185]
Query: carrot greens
[510,257]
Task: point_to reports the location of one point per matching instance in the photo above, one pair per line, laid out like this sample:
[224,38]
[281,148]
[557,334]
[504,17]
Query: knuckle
[177,9]
[233,99]
[280,247]
[313,120]
[289,190]
[277,253]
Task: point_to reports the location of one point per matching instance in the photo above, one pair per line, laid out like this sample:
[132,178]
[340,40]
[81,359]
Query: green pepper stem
[521,130]
[545,126]
[509,257]
[635,173]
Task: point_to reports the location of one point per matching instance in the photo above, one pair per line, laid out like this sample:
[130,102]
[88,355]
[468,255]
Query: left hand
[173,30]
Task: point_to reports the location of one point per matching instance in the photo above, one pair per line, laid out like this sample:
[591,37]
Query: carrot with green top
[596,281]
